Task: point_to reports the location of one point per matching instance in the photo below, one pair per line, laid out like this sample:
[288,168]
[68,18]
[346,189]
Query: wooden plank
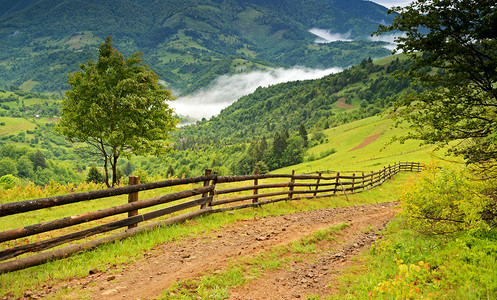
[12,208]
[256,191]
[206,183]
[292,185]
[243,198]
[251,187]
[42,258]
[103,213]
[53,242]
[317,185]
[226,179]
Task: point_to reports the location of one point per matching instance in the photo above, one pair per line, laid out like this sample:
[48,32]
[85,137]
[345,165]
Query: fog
[227,89]
[325,36]
[388,38]
[390,3]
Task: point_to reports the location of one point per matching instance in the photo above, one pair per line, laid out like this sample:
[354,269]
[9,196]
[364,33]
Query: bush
[448,199]
[8,181]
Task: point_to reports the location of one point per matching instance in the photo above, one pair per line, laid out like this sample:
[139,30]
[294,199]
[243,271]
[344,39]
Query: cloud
[388,38]
[227,89]
[390,3]
[325,36]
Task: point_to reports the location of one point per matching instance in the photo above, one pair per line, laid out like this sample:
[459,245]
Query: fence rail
[214,191]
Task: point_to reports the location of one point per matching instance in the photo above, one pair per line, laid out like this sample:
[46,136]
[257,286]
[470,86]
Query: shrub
[447,199]
[8,181]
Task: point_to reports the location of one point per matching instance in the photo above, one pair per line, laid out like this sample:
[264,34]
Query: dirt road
[190,258]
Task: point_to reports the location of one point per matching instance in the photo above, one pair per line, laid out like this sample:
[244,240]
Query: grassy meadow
[351,135]
[397,250]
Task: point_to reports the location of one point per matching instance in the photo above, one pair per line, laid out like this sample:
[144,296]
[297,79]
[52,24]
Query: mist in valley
[227,89]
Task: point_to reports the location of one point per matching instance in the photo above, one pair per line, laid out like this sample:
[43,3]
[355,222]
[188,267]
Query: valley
[168,90]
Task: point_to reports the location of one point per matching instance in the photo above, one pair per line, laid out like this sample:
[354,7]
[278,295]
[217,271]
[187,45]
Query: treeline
[23,164]
[18,103]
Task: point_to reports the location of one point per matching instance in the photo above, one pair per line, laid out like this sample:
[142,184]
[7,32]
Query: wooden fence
[210,193]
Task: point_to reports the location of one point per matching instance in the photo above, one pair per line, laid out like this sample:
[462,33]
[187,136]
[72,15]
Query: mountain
[360,91]
[188,43]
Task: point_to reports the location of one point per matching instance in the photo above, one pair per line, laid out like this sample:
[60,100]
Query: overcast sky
[390,3]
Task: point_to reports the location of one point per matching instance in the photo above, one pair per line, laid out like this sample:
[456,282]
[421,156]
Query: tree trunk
[106,159]
[115,157]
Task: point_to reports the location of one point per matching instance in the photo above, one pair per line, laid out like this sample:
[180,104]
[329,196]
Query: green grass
[461,266]
[128,250]
[15,125]
[372,157]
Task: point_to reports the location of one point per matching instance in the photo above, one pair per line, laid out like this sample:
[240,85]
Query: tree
[94,175]
[24,167]
[118,107]
[128,168]
[303,135]
[38,160]
[7,166]
[294,152]
[458,39]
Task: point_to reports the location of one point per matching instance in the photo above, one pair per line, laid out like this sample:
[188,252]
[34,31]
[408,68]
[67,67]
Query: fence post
[133,197]
[213,192]
[336,183]
[363,181]
[317,185]
[290,194]
[206,183]
[256,183]
[353,183]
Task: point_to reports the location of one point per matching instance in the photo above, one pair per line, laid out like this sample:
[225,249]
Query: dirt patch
[211,252]
[366,142]
[342,104]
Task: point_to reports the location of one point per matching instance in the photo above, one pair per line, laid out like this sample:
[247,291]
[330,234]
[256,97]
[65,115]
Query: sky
[390,3]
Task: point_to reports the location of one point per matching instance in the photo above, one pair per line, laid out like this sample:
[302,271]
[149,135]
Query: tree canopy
[458,39]
[117,106]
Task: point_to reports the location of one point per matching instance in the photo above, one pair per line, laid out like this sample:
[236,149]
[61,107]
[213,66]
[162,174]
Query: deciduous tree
[458,39]
[117,106]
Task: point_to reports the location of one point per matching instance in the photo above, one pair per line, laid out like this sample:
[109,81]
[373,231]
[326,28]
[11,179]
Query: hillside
[188,43]
[263,129]
[360,91]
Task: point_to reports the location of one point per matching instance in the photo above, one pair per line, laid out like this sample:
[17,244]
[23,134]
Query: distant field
[343,139]
[15,125]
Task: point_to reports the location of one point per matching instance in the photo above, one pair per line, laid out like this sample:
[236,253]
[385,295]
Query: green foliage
[409,283]
[38,160]
[313,104]
[118,107]
[446,199]
[8,181]
[456,39]
[94,175]
[188,43]
[8,166]
[143,175]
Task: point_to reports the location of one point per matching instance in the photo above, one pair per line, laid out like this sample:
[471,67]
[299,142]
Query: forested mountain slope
[188,43]
[357,92]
